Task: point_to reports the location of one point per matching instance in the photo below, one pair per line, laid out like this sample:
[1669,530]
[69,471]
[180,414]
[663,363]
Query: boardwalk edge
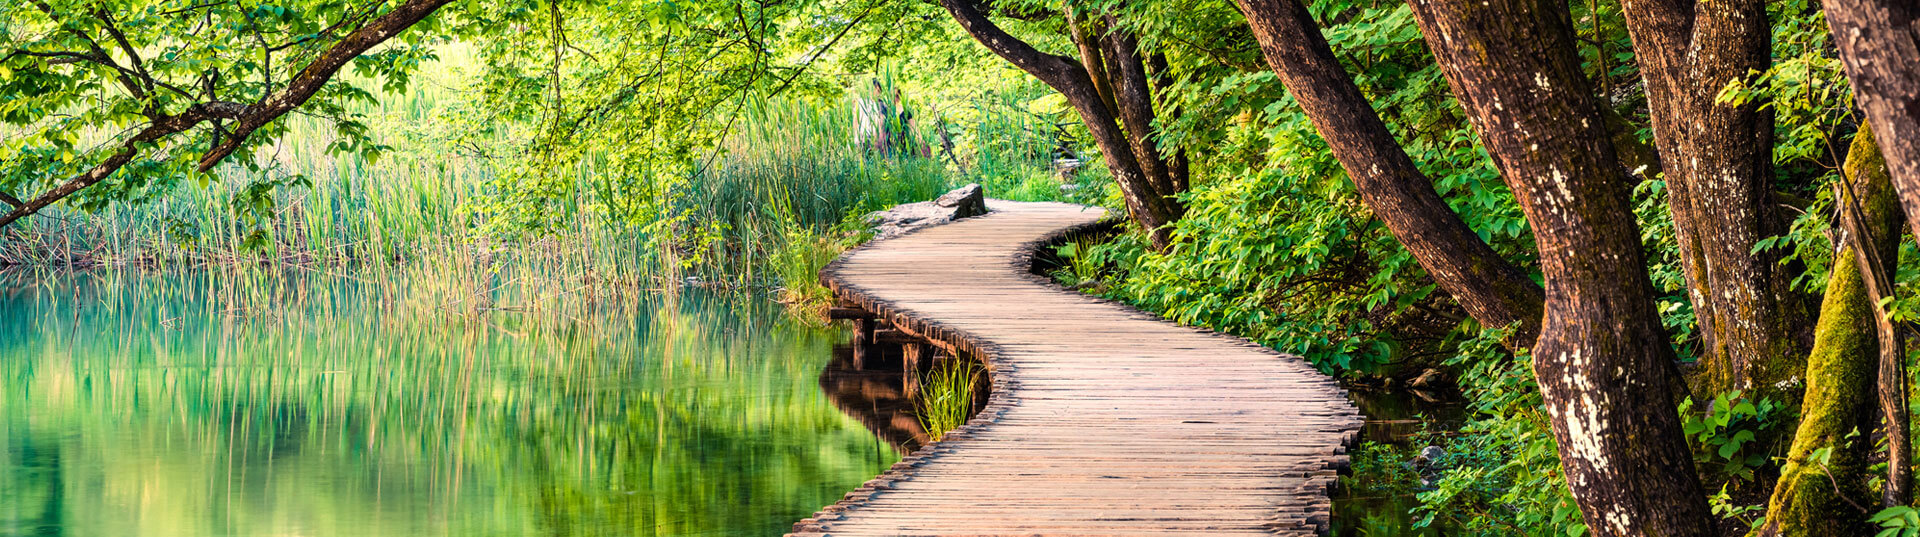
[1003,396]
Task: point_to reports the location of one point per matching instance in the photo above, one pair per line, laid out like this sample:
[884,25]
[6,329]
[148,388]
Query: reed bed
[384,410]
[781,196]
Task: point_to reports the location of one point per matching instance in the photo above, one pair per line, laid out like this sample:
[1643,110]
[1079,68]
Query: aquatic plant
[946,395]
[409,404]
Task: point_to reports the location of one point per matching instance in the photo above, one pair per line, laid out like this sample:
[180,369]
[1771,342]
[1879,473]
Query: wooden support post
[915,357]
[864,351]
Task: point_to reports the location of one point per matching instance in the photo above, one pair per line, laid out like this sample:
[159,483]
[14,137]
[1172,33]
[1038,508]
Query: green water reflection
[301,404]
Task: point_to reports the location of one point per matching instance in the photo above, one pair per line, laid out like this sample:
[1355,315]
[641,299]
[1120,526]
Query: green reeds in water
[782,195]
[946,396]
[408,404]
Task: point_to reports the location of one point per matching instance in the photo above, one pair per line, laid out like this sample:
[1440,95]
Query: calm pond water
[300,404]
[1371,503]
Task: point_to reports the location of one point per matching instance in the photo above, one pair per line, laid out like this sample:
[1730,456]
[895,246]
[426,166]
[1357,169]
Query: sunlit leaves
[79,77]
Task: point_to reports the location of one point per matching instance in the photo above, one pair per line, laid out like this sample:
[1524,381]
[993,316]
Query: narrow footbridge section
[1103,420]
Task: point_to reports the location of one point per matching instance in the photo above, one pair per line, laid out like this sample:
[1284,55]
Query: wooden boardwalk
[1103,420]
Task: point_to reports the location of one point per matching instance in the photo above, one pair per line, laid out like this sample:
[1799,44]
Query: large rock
[964,202]
[967,201]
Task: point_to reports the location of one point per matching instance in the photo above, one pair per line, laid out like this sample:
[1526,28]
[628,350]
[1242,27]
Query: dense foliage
[584,130]
[1276,246]
[636,139]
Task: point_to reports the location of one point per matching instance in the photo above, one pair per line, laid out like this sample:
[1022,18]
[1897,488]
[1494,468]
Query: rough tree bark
[1879,43]
[1812,496]
[1085,39]
[1150,199]
[1718,163]
[1492,289]
[1602,360]
[1134,97]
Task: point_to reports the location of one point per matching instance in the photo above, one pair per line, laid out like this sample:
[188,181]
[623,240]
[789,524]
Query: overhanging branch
[315,76]
[246,118]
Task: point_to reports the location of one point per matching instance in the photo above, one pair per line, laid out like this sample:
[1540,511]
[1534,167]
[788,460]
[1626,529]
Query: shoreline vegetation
[785,191]
[1724,350]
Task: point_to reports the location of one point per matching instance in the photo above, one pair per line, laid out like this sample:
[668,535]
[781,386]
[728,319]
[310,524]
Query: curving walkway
[1103,420]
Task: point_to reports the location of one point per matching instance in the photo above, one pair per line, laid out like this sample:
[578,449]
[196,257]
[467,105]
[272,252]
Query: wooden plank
[839,313]
[1103,420]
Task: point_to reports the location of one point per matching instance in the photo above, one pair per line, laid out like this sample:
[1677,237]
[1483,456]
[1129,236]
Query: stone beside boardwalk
[1103,420]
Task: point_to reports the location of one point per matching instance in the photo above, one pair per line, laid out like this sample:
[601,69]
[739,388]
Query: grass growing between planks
[946,396]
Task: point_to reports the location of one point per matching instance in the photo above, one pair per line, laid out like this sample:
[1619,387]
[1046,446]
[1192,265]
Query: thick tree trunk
[1813,497]
[1718,163]
[1177,164]
[1602,360]
[1492,289]
[1874,197]
[1149,205]
[1085,39]
[1134,96]
[1879,44]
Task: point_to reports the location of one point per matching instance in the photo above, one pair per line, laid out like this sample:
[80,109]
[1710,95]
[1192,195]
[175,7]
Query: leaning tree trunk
[1879,44]
[1085,39]
[1602,358]
[1150,202]
[1133,95]
[1813,496]
[1718,163]
[1492,289]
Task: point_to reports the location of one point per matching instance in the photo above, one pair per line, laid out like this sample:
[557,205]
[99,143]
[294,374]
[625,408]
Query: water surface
[295,403]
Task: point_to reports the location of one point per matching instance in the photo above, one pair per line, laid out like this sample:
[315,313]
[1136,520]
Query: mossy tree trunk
[1717,159]
[1102,92]
[1495,291]
[1602,361]
[1822,489]
[1879,43]
[1874,193]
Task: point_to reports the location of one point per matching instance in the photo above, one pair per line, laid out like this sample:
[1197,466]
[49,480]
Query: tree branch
[133,57]
[247,118]
[99,55]
[161,127]
[315,76]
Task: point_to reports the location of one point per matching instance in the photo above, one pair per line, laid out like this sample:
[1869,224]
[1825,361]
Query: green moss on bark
[1839,401]
[1820,495]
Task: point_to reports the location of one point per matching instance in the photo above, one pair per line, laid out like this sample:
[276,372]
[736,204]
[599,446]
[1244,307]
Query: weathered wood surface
[1103,420]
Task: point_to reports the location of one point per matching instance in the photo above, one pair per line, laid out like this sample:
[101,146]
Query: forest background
[632,144]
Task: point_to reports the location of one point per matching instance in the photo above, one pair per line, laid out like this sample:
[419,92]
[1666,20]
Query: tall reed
[782,194]
[946,396]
